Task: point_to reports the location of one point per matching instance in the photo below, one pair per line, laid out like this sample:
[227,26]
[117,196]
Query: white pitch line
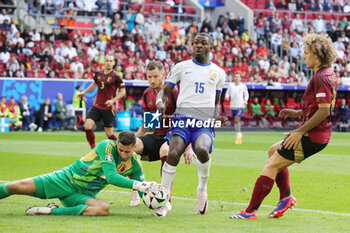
[231,203]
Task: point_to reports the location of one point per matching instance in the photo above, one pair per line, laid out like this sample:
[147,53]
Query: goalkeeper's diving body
[77,185]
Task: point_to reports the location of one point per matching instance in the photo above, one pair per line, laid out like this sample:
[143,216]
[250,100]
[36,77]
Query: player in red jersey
[153,147]
[108,82]
[309,138]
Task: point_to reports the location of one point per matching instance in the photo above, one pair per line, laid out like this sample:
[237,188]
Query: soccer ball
[155,196]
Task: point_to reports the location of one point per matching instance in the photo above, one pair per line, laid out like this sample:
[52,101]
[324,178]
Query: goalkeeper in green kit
[77,185]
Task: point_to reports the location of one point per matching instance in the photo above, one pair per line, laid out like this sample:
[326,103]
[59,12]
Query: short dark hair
[152,65]
[127,138]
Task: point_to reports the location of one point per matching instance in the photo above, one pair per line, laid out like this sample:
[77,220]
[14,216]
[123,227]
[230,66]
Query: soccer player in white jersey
[200,86]
[238,93]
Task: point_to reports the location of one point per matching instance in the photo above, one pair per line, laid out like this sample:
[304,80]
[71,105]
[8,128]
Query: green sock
[76,210]
[4,190]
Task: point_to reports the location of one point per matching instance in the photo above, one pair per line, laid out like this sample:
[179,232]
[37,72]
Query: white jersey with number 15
[198,85]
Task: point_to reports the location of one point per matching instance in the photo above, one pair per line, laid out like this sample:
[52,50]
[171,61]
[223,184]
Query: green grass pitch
[321,185]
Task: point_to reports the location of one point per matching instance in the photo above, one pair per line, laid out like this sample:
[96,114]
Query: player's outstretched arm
[161,96]
[285,113]
[87,90]
[294,136]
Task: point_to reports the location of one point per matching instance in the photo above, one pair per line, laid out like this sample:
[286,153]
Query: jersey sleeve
[105,152]
[144,102]
[228,92]
[138,173]
[323,90]
[174,76]
[245,94]
[120,83]
[220,84]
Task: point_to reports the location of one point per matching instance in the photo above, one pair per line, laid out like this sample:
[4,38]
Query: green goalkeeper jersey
[102,166]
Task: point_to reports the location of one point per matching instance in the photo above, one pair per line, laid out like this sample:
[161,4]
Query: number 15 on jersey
[199,87]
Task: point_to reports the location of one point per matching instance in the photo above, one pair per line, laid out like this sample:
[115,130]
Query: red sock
[262,188]
[90,136]
[282,181]
[163,159]
[113,137]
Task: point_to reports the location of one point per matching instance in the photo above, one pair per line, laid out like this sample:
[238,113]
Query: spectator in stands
[153,16]
[240,22]
[14,114]
[270,5]
[319,24]
[112,6]
[140,18]
[69,51]
[256,111]
[292,5]
[4,56]
[269,112]
[99,20]
[337,6]
[282,5]
[328,5]
[300,5]
[264,64]
[4,16]
[313,6]
[13,64]
[23,71]
[297,24]
[343,111]
[217,34]
[92,52]
[27,115]
[346,7]
[130,19]
[63,35]
[161,54]
[5,26]
[276,41]
[61,113]
[206,25]
[101,45]
[18,39]
[286,23]
[76,64]
[44,116]
[59,58]
[3,106]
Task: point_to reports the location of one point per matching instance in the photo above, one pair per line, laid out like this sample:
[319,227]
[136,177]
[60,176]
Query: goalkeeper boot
[135,198]
[163,210]
[202,203]
[283,205]
[244,215]
[41,210]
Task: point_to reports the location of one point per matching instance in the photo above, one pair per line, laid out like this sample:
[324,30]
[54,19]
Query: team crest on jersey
[109,157]
[212,75]
[150,102]
[109,78]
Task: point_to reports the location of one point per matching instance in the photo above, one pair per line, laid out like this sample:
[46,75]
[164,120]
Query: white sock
[238,129]
[203,175]
[168,175]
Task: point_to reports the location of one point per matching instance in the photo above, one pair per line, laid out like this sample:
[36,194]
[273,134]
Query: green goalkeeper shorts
[58,185]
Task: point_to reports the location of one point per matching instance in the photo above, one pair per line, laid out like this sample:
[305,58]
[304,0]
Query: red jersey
[149,105]
[322,88]
[107,88]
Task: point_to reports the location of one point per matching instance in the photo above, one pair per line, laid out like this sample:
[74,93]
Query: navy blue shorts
[190,133]
[237,112]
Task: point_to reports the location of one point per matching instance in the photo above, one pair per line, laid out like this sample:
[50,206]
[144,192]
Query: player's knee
[202,153]
[163,152]
[87,126]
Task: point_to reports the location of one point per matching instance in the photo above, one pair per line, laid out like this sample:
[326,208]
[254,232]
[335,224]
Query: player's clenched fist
[142,186]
